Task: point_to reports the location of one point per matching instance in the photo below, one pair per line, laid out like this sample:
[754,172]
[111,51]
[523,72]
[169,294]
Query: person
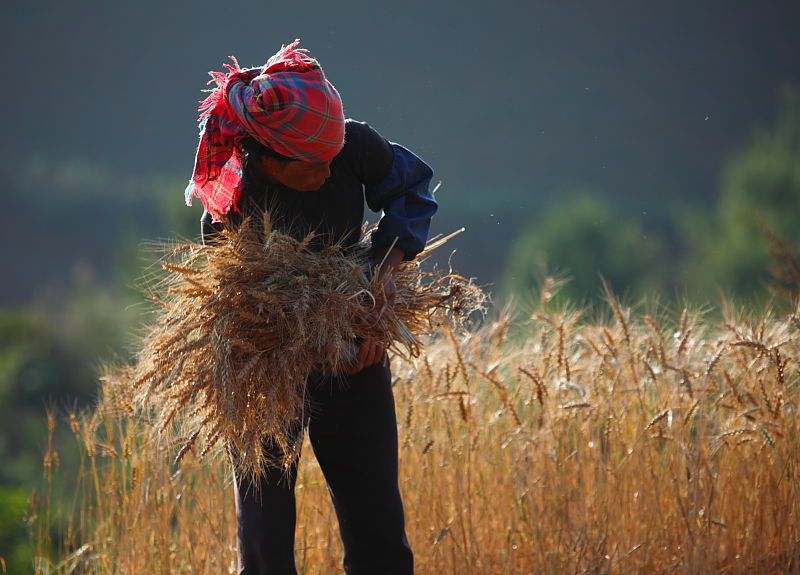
[275,138]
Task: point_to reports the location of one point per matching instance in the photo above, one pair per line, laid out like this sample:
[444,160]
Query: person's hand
[367,354]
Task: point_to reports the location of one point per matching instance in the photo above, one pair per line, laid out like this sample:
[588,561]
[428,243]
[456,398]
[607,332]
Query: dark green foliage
[586,238]
[697,252]
[15,549]
[759,197]
[36,369]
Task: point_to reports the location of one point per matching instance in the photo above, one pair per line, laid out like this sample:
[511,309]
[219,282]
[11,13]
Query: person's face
[300,176]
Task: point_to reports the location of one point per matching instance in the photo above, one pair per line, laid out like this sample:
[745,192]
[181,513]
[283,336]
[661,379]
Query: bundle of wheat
[244,321]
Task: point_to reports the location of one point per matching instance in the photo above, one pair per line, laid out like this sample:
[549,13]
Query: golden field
[556,441]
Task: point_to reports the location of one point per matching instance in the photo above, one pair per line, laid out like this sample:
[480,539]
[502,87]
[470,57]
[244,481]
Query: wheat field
[555,441]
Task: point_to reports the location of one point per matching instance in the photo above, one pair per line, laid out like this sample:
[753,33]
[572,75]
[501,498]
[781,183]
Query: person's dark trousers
[353,431]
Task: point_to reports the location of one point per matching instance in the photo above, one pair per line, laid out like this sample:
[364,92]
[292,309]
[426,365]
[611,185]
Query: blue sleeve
[406,201]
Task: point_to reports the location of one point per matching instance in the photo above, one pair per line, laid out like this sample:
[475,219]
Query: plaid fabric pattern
[287,105]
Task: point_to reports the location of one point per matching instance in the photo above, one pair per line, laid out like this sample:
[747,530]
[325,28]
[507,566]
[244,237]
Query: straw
[245,320]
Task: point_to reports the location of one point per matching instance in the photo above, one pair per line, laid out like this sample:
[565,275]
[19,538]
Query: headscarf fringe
[289,58]
[233,110]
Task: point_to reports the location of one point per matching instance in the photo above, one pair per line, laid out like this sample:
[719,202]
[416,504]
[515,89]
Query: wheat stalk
[243,321]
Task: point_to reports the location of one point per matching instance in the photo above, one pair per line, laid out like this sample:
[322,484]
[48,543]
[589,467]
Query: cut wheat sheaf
[242,323]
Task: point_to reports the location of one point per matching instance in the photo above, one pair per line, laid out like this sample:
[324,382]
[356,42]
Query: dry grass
[244,320]
[558,445]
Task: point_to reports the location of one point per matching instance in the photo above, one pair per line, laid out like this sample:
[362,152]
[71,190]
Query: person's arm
[396,182]
[407,204]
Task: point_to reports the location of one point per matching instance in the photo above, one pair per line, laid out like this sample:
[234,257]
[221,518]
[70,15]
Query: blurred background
[654,145]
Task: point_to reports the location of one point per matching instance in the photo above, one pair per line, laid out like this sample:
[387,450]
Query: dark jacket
[389,177]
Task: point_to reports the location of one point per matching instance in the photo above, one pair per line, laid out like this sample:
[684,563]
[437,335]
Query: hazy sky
[519,100]
[502,94]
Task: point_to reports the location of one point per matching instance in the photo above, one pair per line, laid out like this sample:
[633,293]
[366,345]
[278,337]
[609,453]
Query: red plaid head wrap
[287,105]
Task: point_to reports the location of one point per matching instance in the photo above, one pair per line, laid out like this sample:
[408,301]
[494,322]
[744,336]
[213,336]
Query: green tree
[586,238]
[15,551]
[84,311]
[36,368]
[760,192]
